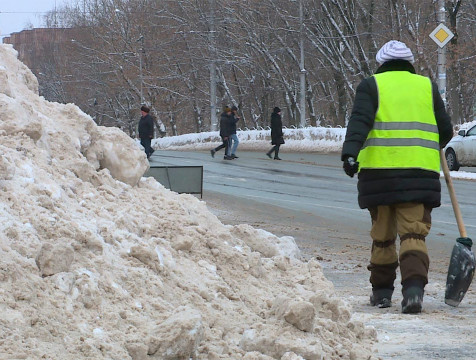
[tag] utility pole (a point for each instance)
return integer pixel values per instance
(213, 81)
(303, 70)
(141, 39)
(56, 20)
(442, 55)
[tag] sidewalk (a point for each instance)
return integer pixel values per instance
(439, 332)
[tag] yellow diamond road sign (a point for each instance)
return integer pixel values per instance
(441, 35)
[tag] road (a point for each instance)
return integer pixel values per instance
(309, 197)
(313, 184)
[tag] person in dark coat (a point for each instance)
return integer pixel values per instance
(277, 138)
(233, 141)
(226, 119)
(395, 132)
(146, 130)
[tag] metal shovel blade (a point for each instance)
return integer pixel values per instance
(460, 271)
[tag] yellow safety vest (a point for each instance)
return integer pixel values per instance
(405, 134)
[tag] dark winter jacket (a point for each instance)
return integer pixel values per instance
(392, 186)
(234, 120)
(225, 124)
(146, 127)
(276, 129)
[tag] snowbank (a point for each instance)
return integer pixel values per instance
(98, 263)
(316, 139)
(304, 139)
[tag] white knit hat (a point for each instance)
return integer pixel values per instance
(394, 50)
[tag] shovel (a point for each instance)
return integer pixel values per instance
(462, 262)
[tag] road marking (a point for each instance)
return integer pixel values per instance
(343, 208)
(306, 203)
(451, 223)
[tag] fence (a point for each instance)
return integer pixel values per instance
(181, 179)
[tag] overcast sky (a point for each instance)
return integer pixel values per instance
(16, 15)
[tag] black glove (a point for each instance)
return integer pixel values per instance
(350, 166)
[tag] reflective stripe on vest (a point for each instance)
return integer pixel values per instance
(403, 137)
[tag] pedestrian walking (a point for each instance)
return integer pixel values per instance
(225, 129)
(233, 141)
(277, 138)
(397, 127)
(146, 130)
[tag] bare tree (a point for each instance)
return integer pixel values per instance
(126, 52)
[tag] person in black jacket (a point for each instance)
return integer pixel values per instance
(233, 141)
(397, 126)
(225, 131)
(277, 138)
(146, 130)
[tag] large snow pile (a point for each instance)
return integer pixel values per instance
(99, 263)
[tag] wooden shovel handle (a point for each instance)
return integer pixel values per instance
(451, 191)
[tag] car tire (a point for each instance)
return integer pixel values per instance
(451, 160)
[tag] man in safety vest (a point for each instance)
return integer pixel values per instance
(397, 127)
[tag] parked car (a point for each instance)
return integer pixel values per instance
(461, 150)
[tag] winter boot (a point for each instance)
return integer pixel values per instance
(277, 158)
(412, 300)
(381, 298)
(268, 155)
(212, 152)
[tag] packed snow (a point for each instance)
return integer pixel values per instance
(98, 262)
(303, 139)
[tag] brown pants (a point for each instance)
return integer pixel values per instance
(412, 222)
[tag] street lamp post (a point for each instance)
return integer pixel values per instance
(213, 81)
(141, 39)
(303, 70)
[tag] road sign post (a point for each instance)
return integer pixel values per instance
(441, 36)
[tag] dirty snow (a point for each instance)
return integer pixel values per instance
(97, 262)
